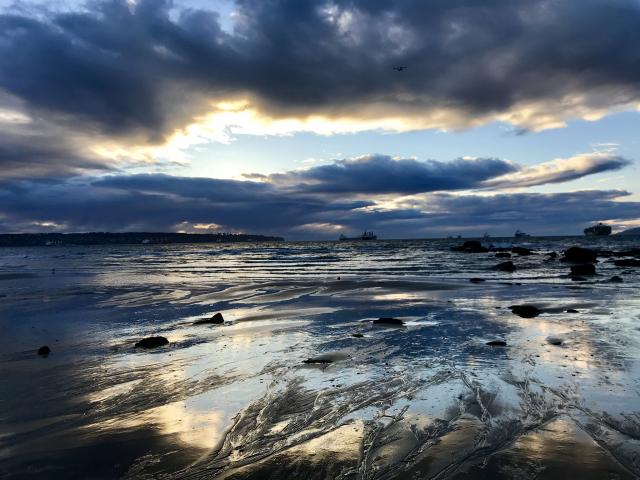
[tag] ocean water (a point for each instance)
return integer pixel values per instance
(429, 399)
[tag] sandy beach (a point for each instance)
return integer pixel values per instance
(298, 382)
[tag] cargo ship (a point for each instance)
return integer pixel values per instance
(599, 230)
(520, 234)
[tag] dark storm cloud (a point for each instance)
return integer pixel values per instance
(41, 156)
(161, 202)
(381, 174)
(147, 69)
(165, 203)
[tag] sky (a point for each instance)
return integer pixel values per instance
(290, 118)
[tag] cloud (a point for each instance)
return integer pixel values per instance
(561, 170)
(382, 174)
(150, 72)
(166, 203)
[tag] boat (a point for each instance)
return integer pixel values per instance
(364, 236)
(520, 234)
(486, 235)
(598, 230)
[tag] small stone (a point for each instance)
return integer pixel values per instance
(571, 310)
(525, 311)
(357, 335)
(477, 280)
(579, 255)
(217, 319)
(388, 321)
(616, 279)
(554, 340)
(497, 343)
(583, 269)
(152, 342)
(44, 351)
(506, 267)
(321, 361)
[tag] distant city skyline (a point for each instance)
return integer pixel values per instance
(287, 118)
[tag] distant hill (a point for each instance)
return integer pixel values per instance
(630, 231)
(127, 238)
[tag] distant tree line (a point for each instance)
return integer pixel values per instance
(128, 238)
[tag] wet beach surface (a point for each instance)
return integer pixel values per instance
(427, 399)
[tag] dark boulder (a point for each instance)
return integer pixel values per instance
(579, 255)
(152, 342)
(506, 267)
(578, 279)
(583, 269)
(470, 246)
(616, 279)
(552, 255)
(44, 351)
(388, 321)
(497, 343)
(503, 255)
(521, 251)
(627, 262)
(477, 280)
(525, 311)
(357, 335)
(217, 319)
(554, 340)
(571, 310)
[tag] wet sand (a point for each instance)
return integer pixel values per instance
(428, 399)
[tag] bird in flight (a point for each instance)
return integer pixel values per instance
(399, 69)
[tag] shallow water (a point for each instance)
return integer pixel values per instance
(426, 400)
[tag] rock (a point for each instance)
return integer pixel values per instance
(525, 311)
(217, 319)
(477, 280)
(616, 279)
(583, 269)
(578, 279)
(503, 255)
(554, 340)
(571, 310)
(388, 321)
(322, 361)
(497, 343)
(470, 246)
(152, 342)
(627, 262)
(44, 351)
(552, 254)
(521, 251)
(357, 335)
(579, 255)
(506, 267)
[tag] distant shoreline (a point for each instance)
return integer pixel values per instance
(127, 238)
(169, 238)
